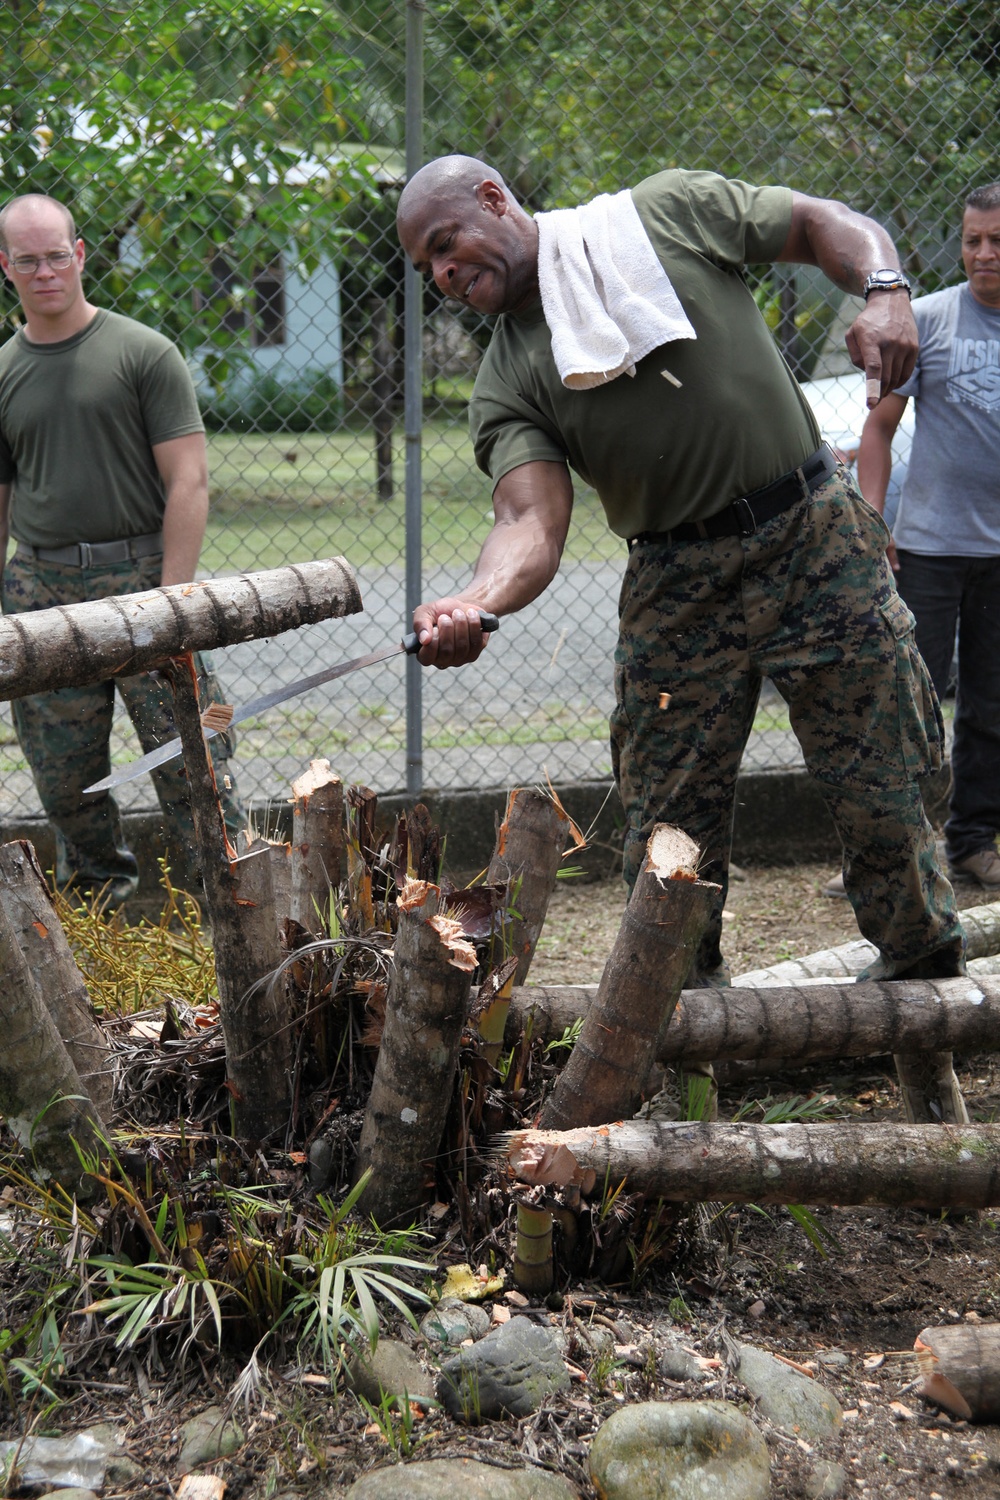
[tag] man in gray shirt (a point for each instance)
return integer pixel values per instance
(945, 545)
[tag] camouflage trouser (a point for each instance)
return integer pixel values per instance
(808, 601)
(64, 737)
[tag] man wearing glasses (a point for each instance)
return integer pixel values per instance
(104, 490)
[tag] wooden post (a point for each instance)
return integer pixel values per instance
(415, 1074)
(80, 643)
(39, 935)
(42, 1099)
(896, 1166)
(661, 928)
(317, 844)
(240, 903)
(382, 396)
(530, 843)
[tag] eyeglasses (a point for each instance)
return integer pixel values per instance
(27, 265)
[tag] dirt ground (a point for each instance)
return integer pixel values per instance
(847, 1309)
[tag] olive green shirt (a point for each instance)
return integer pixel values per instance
(78, 421)
(658, 453)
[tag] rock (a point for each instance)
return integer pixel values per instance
(797, 1405)
(508, 1373)
(827, 1481)
(680, 1450)
(208, 1436)
(833, 1359)
(452, 1321)
(459, 1479)
(392, 1370)
(674, 1363)
(72, 1494)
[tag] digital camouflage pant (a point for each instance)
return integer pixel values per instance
(808, 601)
(64, 736)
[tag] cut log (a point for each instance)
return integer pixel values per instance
(552, 1009)
(317, 844)
(42, 1100)
(661, 928)
(530, 844)
(896, 1166)
(426, 1009)
(39, 934)
(960, 1366)
(981, 925)
(81, 643)
(240, 903)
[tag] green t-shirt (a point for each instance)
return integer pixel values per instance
(658, 454)
(78, 420)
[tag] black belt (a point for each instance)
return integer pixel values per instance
(742, 517)
(96, 554)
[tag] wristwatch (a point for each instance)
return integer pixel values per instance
(886, 281)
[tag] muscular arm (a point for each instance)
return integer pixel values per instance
(5, 490)
(875, 456)
(183, 468)
(847, 247)
(532, 507)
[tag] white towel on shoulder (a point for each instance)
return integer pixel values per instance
(606, 297)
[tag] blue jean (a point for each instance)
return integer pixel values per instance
(945, 592)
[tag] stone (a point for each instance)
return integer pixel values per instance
(680, 1450)
(70, 1494)
(452, 1321)
(459, 1479)
(208, 1436)
(508, 1373)
(392, 1370)
(796, 1404)
(828, 1481)
(832, 1359)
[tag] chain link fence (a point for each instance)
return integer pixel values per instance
(234, 169)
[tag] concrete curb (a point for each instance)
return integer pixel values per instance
(780, 819)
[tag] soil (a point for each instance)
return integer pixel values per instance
(847, 1308)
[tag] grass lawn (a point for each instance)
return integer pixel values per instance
(279, 498)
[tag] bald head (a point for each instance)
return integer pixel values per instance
(458, 220)
(27, 206)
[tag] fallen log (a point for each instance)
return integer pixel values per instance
(39, 934)
(807, 1024)
(960, 1366)
(317, 844)
(530, 844)
(895, 1166)
(42, 1100)
(981, 925)
(661, 928)
(240, 903)
(426, 1009)
(81, 643)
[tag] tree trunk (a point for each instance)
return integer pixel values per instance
(414, 1079)
(981, 925)
(39, 934)
(661, 928)
(42, 1099)
(73, 644)
(382, 396)
(896, 1166)
(965, 1358)
(240, 902)
(317, 844)
(529, 846)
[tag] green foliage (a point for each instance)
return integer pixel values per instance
(262, 402)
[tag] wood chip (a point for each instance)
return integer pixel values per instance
(201, 1487)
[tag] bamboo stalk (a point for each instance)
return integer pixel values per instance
(533, 1250)
(426, 1009)
(529, 846)
(661, 927)
(39, 935)
(904, 1166)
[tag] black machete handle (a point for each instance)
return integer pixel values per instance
(487, 622)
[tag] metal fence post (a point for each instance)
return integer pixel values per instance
(413, 398)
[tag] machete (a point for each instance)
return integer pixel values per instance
(409, 645)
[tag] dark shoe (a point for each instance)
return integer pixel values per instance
(983, 867)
